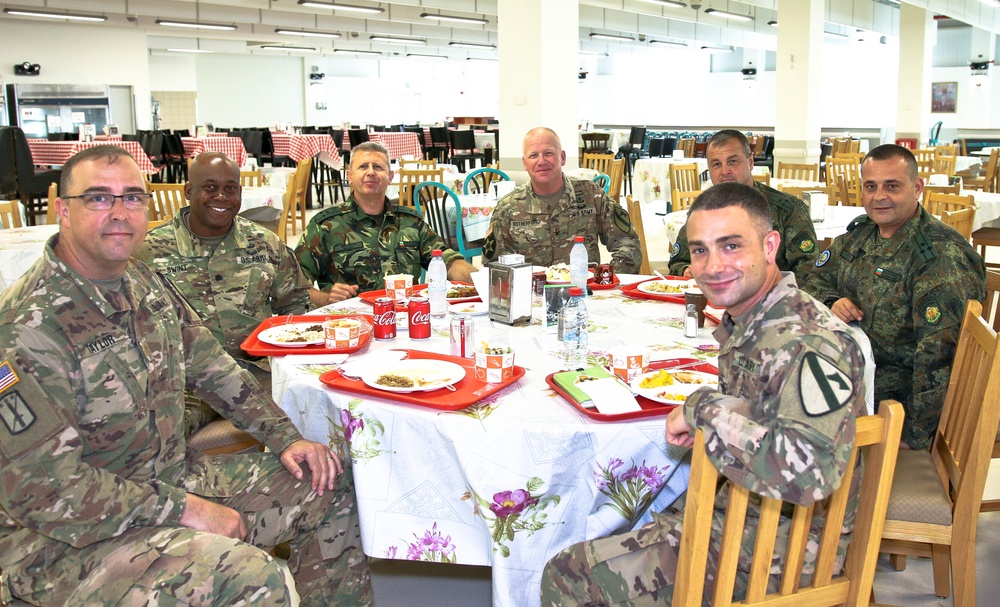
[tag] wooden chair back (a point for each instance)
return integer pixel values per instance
(846, 169)
(877, 440)
(599, 162)
(155, 223)
(682, 201)
(596, 143)
(617, 176)
(51, 218)
(10, 214)
(294, 205)
(830, 191)
(167, 200)
(947, 149)
(935, 498)
(925, 155)
(924, 169)
(845, 145)
(418, 164)
(684, 177)
(944, 165)
(805, 172)
(960, 219)
(635, 216)
(409, 178)
(942, 189)
(991, 178)
(991, 314)
(686, 144)
(764, 178)
(251, 179)
(936, 202)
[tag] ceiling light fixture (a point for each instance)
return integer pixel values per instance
(454, 19)
(194, 25)
(993, 3)
(834, 34)
(718, 49)
(612, 37)
(306, 33)
(397, 40)
(472, 45)
(349, 51)
(667, 43)
(480, 59)
(728, 15)
(53, 15)
(187, 50)
(278, 47)
(595, 53)
(667, 3)
(419, 56)
(374, 10)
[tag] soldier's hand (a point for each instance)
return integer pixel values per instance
(845, 310)
(687, 273)
(205, 515)
(678, 432)
(324, 463)
(341, 291)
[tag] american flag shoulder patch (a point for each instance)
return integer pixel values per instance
(7, 376)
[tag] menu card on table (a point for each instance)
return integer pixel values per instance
(596, 387)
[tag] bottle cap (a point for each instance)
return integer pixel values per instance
(574, 291)
(578, 239)
(436, 253)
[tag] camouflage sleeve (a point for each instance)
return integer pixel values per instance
(619, 236)
(824, 275)
(799, 448)
(798, 238)
(197, 414)
(314, 256)
(430, 240)
(498, 236)
(290, 288)
(45, 484)
(940, 294)
(680, 256)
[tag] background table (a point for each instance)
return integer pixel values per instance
(300, 147)
(651, 176)
(44, 152)
(21, 247)
(477, 210)
(399, 144)
(230, 146)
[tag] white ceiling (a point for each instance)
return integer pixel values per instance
(644, 20)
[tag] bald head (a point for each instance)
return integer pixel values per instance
(211, 161)
(542, 134)
(213, 187)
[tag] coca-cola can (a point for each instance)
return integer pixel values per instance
(384, 313)
(419, 310)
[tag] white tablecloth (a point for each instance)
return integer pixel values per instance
(263, 203)
(477, 210)
(651, 176)
(21, 247)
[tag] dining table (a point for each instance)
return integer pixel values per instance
(651, 176)
(56, 153)
(230, 146)
(399, 145)
(298, 147)
(20, 248)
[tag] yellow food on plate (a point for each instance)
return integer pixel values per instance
(461, 292)
(660, 286)
(672, 396)
(394, 381)
(658, 380)
(688, 377)
(557, 273)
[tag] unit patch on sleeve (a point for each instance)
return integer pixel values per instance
(823, 387)
(16, 415)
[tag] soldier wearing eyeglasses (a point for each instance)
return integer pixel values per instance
(100, 503)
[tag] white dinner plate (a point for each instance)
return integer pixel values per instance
(451, 285)
(282, 335)
(472, 308)
(664, 394)
(665, 287)
(429, 373)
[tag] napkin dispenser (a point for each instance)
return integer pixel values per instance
(510, 291)
(816, 200)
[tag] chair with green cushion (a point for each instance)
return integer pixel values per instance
(603, 180)
(479, 181)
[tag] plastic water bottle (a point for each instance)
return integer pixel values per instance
(578, 264)
(437, 288)
(575, 323)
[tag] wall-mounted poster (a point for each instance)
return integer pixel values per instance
(943, 97)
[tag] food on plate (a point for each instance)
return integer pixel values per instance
(662, 286)
(394, 381)
(557, 273)
(486, 349)
(461, 292)
(346, 323)
(585, 378)
(694, 377)
(657, 380)
(294, 335)
(672, 396)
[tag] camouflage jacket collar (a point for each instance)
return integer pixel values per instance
(88, 290)
(733, 331)
(355, 214)
(572, 197)
(188, 244)
(913, 226)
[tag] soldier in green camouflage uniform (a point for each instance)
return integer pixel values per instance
(781, 422)
(350, 248)
(234, 272)
(539, 219)
(730, 160)
(905, 277)
(99, 502)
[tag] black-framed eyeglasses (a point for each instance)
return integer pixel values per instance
(97, 201)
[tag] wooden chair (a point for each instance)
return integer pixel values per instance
(831, 192)
(617, 176)
(947, 149)
(877, 438)
(936, 493)
(848, 169)
(684, 177)
(429, 164)
(409, 178)
(167, 200)
(987, 182)
(805, 172)
(51, 218)
(251, 179)
(294, 207)
(961, 220)
(682, 201)
(936, 202)
(155, 223)
(10, 214)
(845, 145)
(925, 155)
(635, 216)
(686, 144)
(599, 162)
(764, 178)
(595, 143)
(954, 190)
(944, 165)
(991, 314)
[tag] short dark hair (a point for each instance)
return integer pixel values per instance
(110, 153)
(725, 135)
(371, 146)
(732, 194)
(888, 151)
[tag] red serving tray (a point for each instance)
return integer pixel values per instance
(254, 347)
(596, 287)
(650, 408)
(369, 297)
(632, 290)
(468, 391)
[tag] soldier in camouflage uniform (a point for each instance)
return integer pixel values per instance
(731, 161)
(232, 271)
(905, 278)
(781, 422)
(99, 502)
(350, 248)
(539, 219)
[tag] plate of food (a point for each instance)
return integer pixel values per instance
(666, 287)
(414, 375)
(295, 335)
(672, 387)
(458, 292)
(472, 308)
(559, 272)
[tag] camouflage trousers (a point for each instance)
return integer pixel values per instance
(198, 413)
(174, 566)
(636, 569)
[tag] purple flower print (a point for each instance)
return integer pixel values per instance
(351, 424)
(506, 503)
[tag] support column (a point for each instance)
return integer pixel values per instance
(798, 82)
(917, 34)
(539, 64)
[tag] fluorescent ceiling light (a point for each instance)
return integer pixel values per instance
(667, 3)
(194, 25)
(454, 19)
(306, 33)
(612, 37)
(718, 49)
(419, 56)
(187, 50)
(834, 34)
(993, 3)
(53, 15)
(480, 59)
(597, 53)
(773, 23)
(472, 45)
(397, 40)
(276, 47)
(349, 51)
(667, 43)
(342, 7)
(728, 15)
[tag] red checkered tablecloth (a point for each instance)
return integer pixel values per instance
(230, 146)
(300, 147)
(399, 144)
(44, 152)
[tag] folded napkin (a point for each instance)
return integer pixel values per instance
(610, 396)
(316, 359)
(360, 365)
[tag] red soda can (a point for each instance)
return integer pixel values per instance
(420, 317)
(384, 313)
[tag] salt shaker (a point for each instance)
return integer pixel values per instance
(691, 321)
